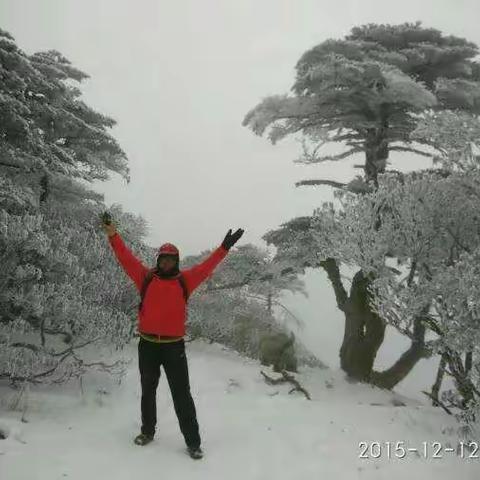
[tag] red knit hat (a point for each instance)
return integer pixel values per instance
(168, 249)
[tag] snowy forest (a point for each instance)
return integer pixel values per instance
(399, 250)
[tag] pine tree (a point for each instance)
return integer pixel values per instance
(59, 285)
(367, 90)
(382, 88)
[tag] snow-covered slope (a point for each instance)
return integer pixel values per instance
(250, 430)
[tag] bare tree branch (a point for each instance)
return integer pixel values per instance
(329, 158)
(276, 302)
(429, 395)
(331, 183)
(398, 148)
(286, 377)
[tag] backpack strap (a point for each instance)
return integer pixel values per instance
(149, 277)
(181, 280)
(146, 282)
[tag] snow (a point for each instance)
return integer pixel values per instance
(250, 430)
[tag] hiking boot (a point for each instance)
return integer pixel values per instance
(195, 452)
(143, 439)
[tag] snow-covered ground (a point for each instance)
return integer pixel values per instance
(250, 430)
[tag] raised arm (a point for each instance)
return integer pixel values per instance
(197, 274)
(132, 266)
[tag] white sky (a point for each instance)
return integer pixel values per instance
(180, 75)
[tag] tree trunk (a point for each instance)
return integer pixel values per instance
(461, 376)
(402, 367)
(365, 331)
(438, 381)
(44, 188)
(269, 304)
(468, 362)
(376, 151)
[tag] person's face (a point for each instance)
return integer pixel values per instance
(166, 263)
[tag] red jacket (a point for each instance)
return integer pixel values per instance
(164, 308)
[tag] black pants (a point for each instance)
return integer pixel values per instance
(174, 360)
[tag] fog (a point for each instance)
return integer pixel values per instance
(179, 76)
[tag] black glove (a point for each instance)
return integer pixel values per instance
(232, 238)
(106, 218)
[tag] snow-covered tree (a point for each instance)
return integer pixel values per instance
(241, 302)
(365, 92)
(45, 126)
(369, 93)
(60, 294)
(411, 230)
(58, 291)
(442, 288)
(416, 242)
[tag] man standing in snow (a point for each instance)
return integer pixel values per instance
(164, 292)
